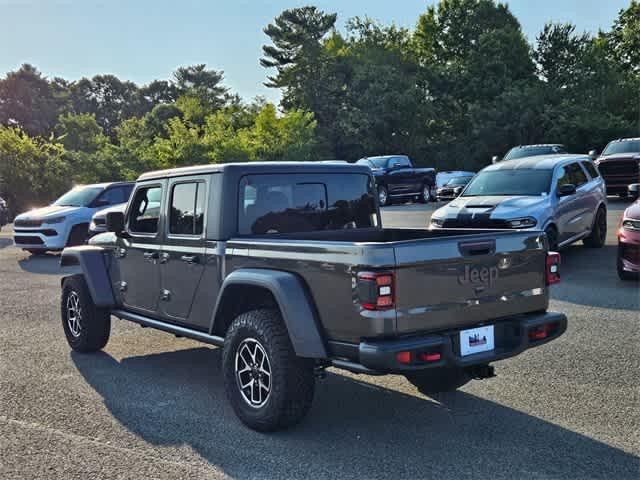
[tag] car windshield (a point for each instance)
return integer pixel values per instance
(78, 197)
(521, 152)
(509, 182)
(626, 146)
(458, 181)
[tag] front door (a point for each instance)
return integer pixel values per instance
(182, 260)
(138, 251)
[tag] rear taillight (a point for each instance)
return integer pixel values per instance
(553, 268)
(376, 290)
(542, 331)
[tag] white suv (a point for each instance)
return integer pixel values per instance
(66, 221)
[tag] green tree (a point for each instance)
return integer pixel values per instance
(28, 101)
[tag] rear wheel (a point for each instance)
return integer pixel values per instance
(598, 234)
(86, 326)
(438, 380)
(425, 194)
(269, 387)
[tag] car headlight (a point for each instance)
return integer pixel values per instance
(630, 224)
(526, 222)
(437, 222)
(51, 220)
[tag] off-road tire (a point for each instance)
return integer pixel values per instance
(439, 380)
(292, 381)
(95, 323)
(598, 235)
(77, 235)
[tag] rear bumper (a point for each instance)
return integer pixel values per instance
(511, 338)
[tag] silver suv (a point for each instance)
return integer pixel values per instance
(564, 195)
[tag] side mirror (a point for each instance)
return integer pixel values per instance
(634, 190)
(566, 190)
(495, 159)
(115, 222)
(593, 154)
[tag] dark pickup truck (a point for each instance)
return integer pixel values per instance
(287, 267)
(397, 179)
(619, 165)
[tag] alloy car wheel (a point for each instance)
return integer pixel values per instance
(382, 196)
(253, 372)
(74, 314)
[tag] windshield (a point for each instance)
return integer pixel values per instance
(622, 147)
(509, 182)
(78, 197)
(521, 152)
(458, 181)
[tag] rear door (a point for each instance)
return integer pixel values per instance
(137, 256)
(183, 258)
(452, 282)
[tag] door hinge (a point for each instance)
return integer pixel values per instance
(165, 295)
(123, 286)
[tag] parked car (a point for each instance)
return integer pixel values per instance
(66, 221)
(628, 262)
(619, 165)
(286, 267)
(397, 179)
(445, 176)
(522, 151)
(99, 220)
(4, 212)
(452, 188)
(563, 195)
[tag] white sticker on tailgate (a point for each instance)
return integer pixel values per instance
(476, 340)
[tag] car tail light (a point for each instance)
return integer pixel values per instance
(376, 290)
(553, 268)
(542, 331)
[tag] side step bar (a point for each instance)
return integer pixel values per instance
(170, 328)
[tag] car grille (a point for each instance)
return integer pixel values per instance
(28, 240)
(479, 221)
(27, 223)
(630, 252)
(618, 167)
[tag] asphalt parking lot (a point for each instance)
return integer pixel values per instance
(153, 406)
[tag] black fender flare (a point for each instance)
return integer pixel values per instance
(92, 261)
(297, 309)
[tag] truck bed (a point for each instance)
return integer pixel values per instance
(443, 278)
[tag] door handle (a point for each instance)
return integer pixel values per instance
(189, 258)
(150, 255)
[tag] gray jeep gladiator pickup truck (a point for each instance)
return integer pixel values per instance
(287, 267)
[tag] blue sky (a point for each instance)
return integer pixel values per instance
(145, 40)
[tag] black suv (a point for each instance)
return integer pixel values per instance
(287, 267)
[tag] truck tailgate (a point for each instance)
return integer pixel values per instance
(452, 282)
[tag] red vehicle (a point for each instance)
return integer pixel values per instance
(619, 165)
(629, 239)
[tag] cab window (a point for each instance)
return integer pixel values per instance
(144, 213)
(186, 216)
(578, 176)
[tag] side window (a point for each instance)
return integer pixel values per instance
(563, 177)
(403, 161)
(591, 168)
(577, 175)
(111, 196)
(186, 215)
(144, 213)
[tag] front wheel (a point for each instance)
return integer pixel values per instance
(383, 195)
(425, 194)
(598, 234)
(269, 387)
(86, 326)
(439, 380)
